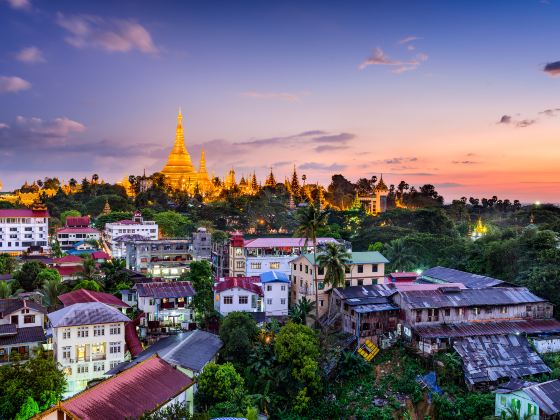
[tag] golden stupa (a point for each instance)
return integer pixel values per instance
(179, 170)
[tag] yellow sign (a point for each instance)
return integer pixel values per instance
(368, 350)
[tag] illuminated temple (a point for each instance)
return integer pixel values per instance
(179, 170)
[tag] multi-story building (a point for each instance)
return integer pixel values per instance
(21, 329)
(364, 269)
(76, 229)
(21, 229)
(220, 259)
(163, 258)
(252, 257)
(202, 244)
(137, 226)
(88, 340)
(165, 304)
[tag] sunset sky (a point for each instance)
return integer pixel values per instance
(459, 94)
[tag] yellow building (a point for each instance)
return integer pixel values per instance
(179, 170)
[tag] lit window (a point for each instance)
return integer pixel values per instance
(256, 265)
(274, 265)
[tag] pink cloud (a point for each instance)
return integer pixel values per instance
(10, 84)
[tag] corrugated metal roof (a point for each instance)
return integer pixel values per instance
(23, 336)
(450, 275)
(90, 313)
(492, 357)
(366, 299)
(467, 329)
(469, 297)
(159, 290)
(82, 296)
(274, 276)
(546, 395)
(283, 242)
(8, 306)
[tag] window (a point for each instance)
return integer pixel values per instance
(529, 308)
(113, 364)
(98, 330)
(460, 311)
(115, 329)
(282, 301)
(243, 300)
(360, 282)
(503, 309)
(433, 315)
(29, 319)
(531, 409)
(99, 366)
(283, 288)
(419, 315)
(66, 333)
(447, 312)
(295, 267)
(228, 300)
(83, 368)
(347, 269)
(300, 267)
(66, 352)
(274, 265)
(306, 269)
(269, 301)
(321, 302)
(360, 268)
(476, 311)
(268, 288)
(83, 332)
(255, 265)
(240, 264)
(374, 267)
(321, 271)
(114, 348)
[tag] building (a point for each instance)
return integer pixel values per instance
(179, 170)
(534, 401)
(165, 304)
(202, 244)
(136, 226)
(443, 275)
(88, 340)
(21, 229)
(162, 258)
(266, 294)
(189, 351)
(431, 313)
(86, 296)
(376, 203)
(252, 257)
(491, 358)
(365, 269)
(146, 387)
(402, 277)
(69, 267)
(220, 259)
(21, 329)
(366, 312)
(76, 229)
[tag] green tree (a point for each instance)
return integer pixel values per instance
(7, 264)
(335, 260)
(399, 255)
(27, 275)
(239, 333)
(68, 213)
(28, 409)
(377, 246)
(300, 312)
(173, 225)
(39, 378)
(89, 269)
(177, 411)
(114, 216)
(88, 285)
(46, 275)
(220, 384)
(200, 276)
(310, 219)
(115, 273)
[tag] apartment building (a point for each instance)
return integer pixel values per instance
(76, 229)
(163, 258)
(147, 230)
(21, 229)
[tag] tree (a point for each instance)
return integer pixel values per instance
(48, 274)
(7, 264)
(68, 213)
(173, 224)
(309, 220)
(88, 285)
(28, 409)
(301, 310)
(27, 275)
(220, 384)
(39, 378)
(5, 290)
(335, 260)
(399, 255)
(200, 276)
(177, 411)
(115, 273)
(89, 269)
(238, 332)
(114, 216)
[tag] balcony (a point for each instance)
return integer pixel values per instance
(98, 356)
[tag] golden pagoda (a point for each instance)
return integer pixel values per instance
(106, 208)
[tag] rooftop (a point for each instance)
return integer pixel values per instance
(191, 350)
(489, 358)
(8, 306)
(78, 229)
(21, 335)
(77, 221)
(67, 259)
(450, 275)
(246, 283)
(366, 299)
(23, 213)
(140, 389)
(365, 257)
(274, 276)
(90, 313)
(83, 295)
(546, 395)
(455, 297)
(282, 242)
(161, 290)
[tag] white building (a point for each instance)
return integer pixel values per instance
(76, 230)
(23, 228)
(137, 226)
(252, 257)
(267, 293)
(88, 340)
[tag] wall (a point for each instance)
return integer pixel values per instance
(276, 295)
(547, 345)
(39, 318)
(504, 401)
(235, 293)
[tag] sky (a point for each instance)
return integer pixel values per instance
(464, 95)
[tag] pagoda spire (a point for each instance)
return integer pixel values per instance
(179, 163)
(270, 181)
(202, 166)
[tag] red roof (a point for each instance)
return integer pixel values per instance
(160, 290)
(68, 270)
(140, 389)
(84, 296)
(246, 283)
(100, 255)
(77, 221)
(68, 259)
(131, 338)
(77, 230)
(23, 213)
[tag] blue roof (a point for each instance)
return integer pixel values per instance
(80, 251)
(274, 276)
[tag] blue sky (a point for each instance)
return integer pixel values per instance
(411, 89)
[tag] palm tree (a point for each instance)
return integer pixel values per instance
(400, 256)
(334, 259)
(310, 219)
(5, 290)
(301, 310)
(52, 289)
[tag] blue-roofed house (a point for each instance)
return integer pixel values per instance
(366, 268)
(276, 287)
